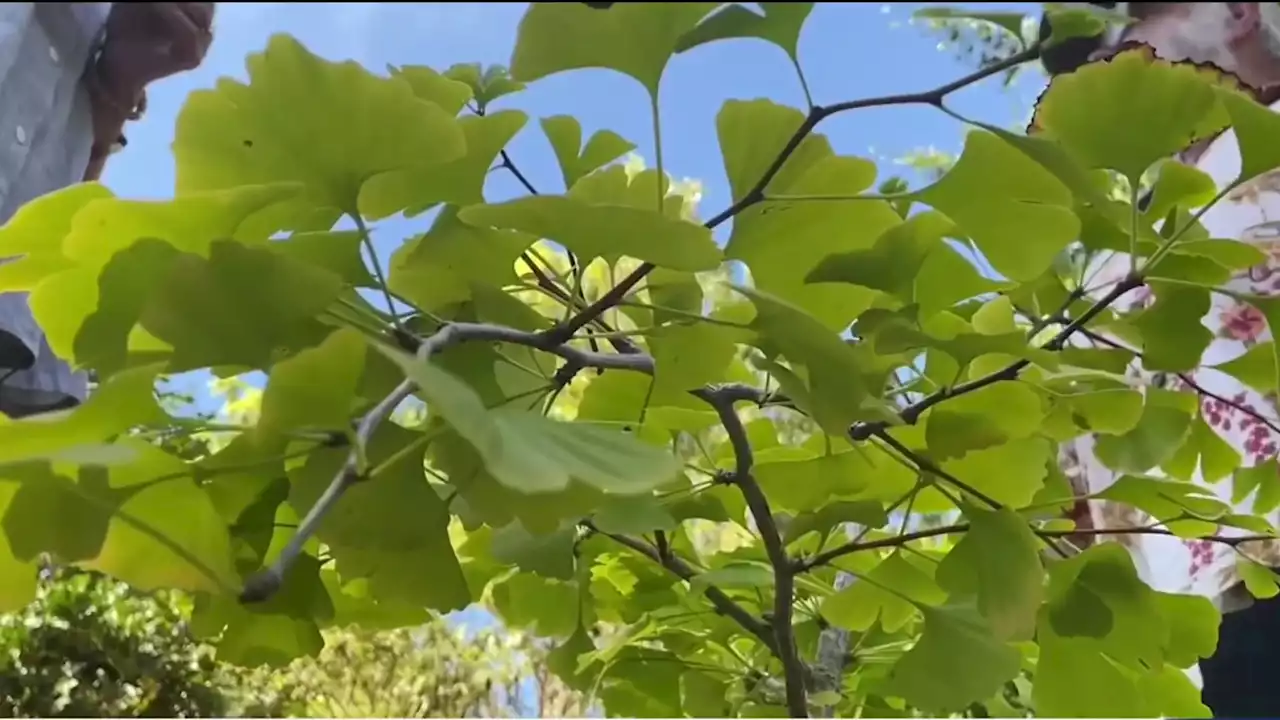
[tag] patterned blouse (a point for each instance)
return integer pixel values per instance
(1252, 215)
(46, 133)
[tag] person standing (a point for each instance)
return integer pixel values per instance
(1244, 39)
(71, 76)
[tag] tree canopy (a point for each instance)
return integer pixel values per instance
(598, 381)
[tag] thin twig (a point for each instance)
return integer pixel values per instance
(912, 413)
(483, 332)
(826, 557)
(817, 114)
(926, 465)
(683, 570)
(793, 669)
(1190, 382)
(265, 584)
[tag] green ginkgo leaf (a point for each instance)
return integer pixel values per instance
(597, 230)
(1131, 111)
(635, 39)
(328, 126)
(531, 453)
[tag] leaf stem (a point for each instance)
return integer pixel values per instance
(657, 151)
(678, 567)
(804, 83)
(825, 558)
(367, 240)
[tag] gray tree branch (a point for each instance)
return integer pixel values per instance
(794, 671)
(683, 570)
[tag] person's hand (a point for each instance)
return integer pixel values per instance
(150, 41)
(144, 42)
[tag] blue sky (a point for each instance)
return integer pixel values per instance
(848, 51)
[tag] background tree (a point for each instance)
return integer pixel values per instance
(91, 647)
(434, 670)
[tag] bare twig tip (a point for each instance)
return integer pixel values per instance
(260, 587)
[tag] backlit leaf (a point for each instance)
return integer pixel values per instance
(328, 126)
(633, 39)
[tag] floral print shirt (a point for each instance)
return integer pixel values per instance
(1250, 214)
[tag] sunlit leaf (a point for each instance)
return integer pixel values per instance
(780, 24)
(329, 126)
(634, 39)
(1131, 111)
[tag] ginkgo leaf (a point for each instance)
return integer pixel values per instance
(532, 453)
(894, 591)
(1018, 215)
(1173, 338)
(315, 388)
(594, 231)
(329, 126)
(837, 388)
(444, 265)
(449, 93)
(991, 416)
(412, 527)
(460, 181)
(565, 135)
(999, 561)
(487, 83)
(636, 40)
(780, 24)
(956, 644)
(1128, 91)
(1165, 421)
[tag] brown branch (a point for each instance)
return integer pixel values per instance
(817, 114)
(926, 465)
(1190, 382)
(683, 570)
(912, 413)
(826, 557)
(794, 672)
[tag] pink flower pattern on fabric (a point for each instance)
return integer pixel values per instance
(1240, 415)
(1243, 322)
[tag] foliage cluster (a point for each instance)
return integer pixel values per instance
(89, 646)
(589, 403)
(430, 671)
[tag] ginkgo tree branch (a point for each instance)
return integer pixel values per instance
(926, 465)
(794, 672)
(1191, 382)
(816, 115)
(828, 556)
(266, 583)
(683, 570)
(911, 413)
(485, 332)
(576, 268)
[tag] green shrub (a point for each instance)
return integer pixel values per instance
(89, 646)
